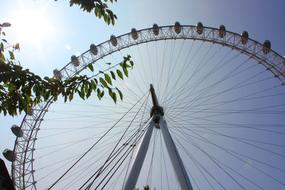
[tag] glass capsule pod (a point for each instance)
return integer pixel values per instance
(199, 28)
(113, 40)
(155, 29)
(75, 61)
(17, 131)
(134, 34)
(222, 31)
(57, 74)
(177, 27)
(244, 37)
(9, 155)
(93, 49)
(266, 47)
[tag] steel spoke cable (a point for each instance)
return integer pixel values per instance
(234, 171)
(198, 66)
(116, 153)
(215, 84)
(174, 62)
(211, 72)
(203, 64)
(103, 155)
(92, 146)
(189, 62)
(216, 163)
(198, 165)
(182, 70)
(226, 77)
(238, 157)
(236, 124)
(124, 156)
(170, 62)
(213, 132)
(109, 157)
(237, 86)
(225, 149)
(180, 89)
(114, 156)
(244, 98)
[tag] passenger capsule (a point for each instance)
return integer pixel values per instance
(113, 40)
(134, 34)
(93, 49)
(177, 27)
(244, 37)
(57, 74)
(17, 131)
(222, 31)
(75, 61)
(199, 28)
(9, 155)
(155, 29)
(266, 46)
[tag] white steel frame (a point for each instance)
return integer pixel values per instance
(23, 169)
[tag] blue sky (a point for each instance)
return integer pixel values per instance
(71, 31)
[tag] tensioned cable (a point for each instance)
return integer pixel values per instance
(200, 167)
(234, 154)
(218, 165)
(109, 157)
(92, 146)
(129, 152)
(240, 159)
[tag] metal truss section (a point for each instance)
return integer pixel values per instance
(271, 60)
(22, 167)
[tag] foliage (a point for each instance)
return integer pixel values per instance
(146, 187)
(99, 7)
(21, 89)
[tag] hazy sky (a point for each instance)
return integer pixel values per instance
(69, 31)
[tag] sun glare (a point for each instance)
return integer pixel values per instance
(32, 26)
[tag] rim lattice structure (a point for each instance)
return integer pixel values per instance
(24, 148)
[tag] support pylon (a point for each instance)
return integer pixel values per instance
(158, 121)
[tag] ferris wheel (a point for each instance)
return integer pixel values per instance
(203, 108)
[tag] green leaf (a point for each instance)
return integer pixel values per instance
(90, 66)
(12, 57)
(102, 94)
(99, 94)
(88, 93)
(70, 97)
(113, 95)
(113, 75)
(103, 82)
(132, 63)
(11, 87)
(126, 71)
(120, 93)
(120, 74)
(93, 85)
(86, 86)
(108, 79)
(81, 93)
